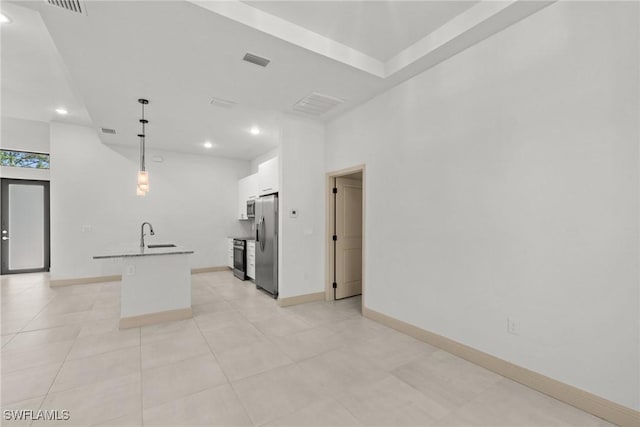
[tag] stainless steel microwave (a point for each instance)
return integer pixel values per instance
(251, 208)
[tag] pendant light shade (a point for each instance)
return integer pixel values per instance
(143, 176)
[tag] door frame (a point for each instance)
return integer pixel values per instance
(4, 183)
(329, 266)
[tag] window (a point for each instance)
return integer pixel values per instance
(24, 159)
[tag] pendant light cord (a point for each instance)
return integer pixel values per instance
(144, 149)
(142, 136)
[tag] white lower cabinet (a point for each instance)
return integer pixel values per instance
(230, 252)
(251, 259)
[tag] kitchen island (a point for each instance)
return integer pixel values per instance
(156, 284)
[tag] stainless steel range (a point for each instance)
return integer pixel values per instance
(240, 258)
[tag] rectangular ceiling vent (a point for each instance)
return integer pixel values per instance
(75, 6)
(316, 104)
(255, 59)
(224, 103)
(108, 131)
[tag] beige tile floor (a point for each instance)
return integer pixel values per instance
(242, 360)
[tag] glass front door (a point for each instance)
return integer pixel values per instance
(25, 226)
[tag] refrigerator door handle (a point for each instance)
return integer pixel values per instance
(263, 231)
(258, 232)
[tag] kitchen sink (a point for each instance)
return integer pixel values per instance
(163, 245)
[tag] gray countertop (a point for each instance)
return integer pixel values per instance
(135, 251)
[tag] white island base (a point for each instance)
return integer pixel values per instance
(158, 291)
(156, 286)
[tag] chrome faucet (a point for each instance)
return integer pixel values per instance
(142, 233)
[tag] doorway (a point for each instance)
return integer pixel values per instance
(345, 233)
(24, 218)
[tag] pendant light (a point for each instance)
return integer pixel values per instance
(143, 175)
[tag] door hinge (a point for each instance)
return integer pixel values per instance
(335, 190)
(335, 237)
(335, 285)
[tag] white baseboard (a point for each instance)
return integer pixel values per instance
(588, 402)
(301, 299)
(117, 278)
(208, 269)
(153, 318)
(84, 281)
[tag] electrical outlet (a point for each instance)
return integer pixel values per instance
(512, 326)
(131, 270)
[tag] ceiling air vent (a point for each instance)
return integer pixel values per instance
(70, 5)
(108, 131)
(316, 104)
(255, 59)
(224, 103)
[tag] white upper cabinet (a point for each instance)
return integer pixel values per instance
(259, 184)
(242, 199)
(252, 187)
(247, 190)
(268, 177)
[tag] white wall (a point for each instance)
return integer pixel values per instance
(24, 135)
(504, 183)
(192, 202)
(263, 158)
(301, 161)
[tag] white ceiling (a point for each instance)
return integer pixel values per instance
(179, 54)
(380, 29)
(34, 79)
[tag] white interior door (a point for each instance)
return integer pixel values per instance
(25, 226)
(349, 237)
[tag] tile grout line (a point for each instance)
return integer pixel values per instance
(270, 339)
(56, 295)
(63, 361)
(34, 317)
(100, 353)
(140, 343)
(56, 376)
(141, 379)
(10, 339)
(246, 411)
(112, 351)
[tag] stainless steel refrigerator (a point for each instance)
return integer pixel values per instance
(267, 243)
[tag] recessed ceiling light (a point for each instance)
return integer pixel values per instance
(255, 130)
(61, 111)
(208, 145)
(4, 19)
